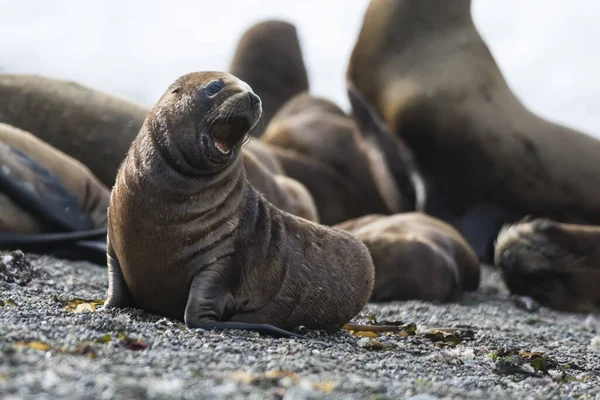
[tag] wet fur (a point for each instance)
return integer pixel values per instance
(416, 257)
(244, 260)
(434, 82)
(557, 264)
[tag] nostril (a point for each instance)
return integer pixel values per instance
(254, 99)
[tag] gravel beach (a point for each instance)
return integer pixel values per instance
(53, 346)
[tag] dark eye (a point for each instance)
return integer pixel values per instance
(214, 88)
(176, 90)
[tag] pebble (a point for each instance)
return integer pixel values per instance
(194, 363)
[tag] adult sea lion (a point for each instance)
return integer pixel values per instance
(483, 155)
(269, 57)
(92, 127)
(557, 264)
(189, 238)
(416, 257)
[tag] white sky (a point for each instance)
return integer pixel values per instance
(547, 49)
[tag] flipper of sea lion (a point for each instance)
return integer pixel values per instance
(263, 329)
(39, 192)
(85, 250)
(398, 157)
(82, 245)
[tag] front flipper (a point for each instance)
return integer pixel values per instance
(39, 192)
(206, 304)
(118, 292)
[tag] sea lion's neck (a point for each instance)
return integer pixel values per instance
(411, 18)
(153, 164)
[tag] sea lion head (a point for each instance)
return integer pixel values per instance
(201, 121)
(545, 260)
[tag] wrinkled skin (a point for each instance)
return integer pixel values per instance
(189, 238)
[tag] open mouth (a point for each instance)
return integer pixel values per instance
(227, 133)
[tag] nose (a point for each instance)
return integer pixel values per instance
(254, 99)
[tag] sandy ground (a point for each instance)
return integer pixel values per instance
(50, 348)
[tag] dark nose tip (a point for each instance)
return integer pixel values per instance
(254, 99)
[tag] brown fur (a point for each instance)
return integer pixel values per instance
(416, 257)
(189, 238)
(93, 127)
(319, 130)
(269, 57)
(433, 80)
(92, 196)
(335, 199)
(284, 193)
(555, 263)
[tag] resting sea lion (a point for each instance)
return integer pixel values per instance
(318, 129)
(416, 257)
(189, 238)
(92, 127)
(283, 192)
(92, 196)
(555, 263)
(49, 202)
(482, 154)
(264, 154)
(269, 57)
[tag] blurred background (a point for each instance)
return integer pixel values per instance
(547, 49)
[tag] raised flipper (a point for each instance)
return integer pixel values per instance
(37, 191)
(118, 292)
(398, 158)
(206, 304)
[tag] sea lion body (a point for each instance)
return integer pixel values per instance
(269, 58)
(213, 250)
(416, 257)
(283, 192)
(92, 127)
(316, 128)
(334, 198)
(91, 195)
(435, 83)
(555, 263)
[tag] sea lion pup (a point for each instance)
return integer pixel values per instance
(435, 83)
(416, 257)
(269, 58)
(333, 139)
(283, 192)
(92, 127)
(189, 238)
(557, 264)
